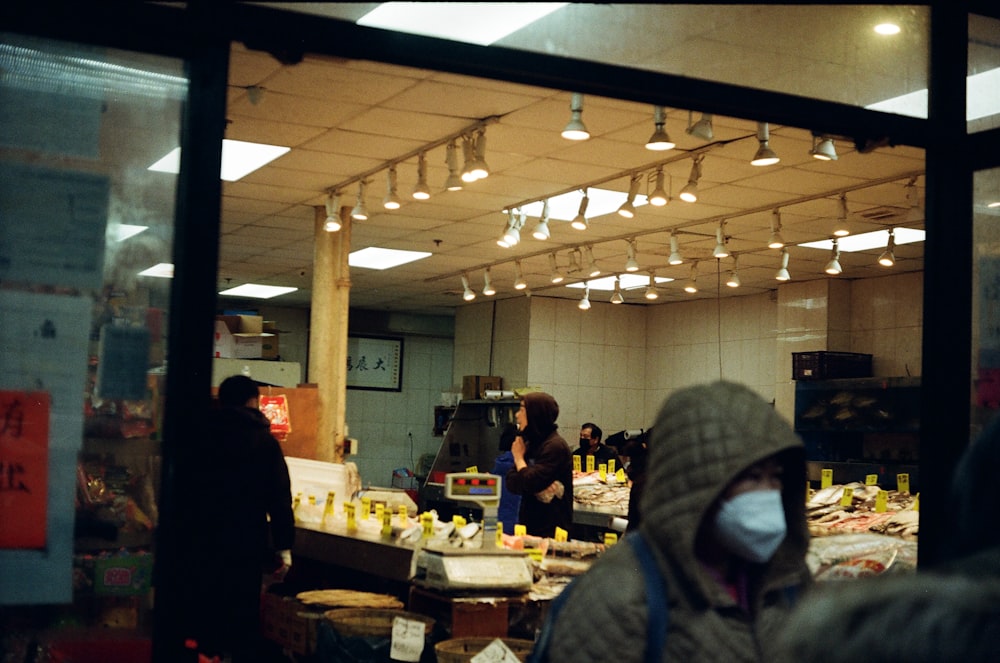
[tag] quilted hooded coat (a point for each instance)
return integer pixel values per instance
(703, 438)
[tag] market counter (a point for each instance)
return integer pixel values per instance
(358, 551)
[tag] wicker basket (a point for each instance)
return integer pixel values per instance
(462, 650)
(352, 622)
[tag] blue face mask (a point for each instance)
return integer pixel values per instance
(752, 525)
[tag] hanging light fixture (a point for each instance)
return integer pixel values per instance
(592, 268)
(776, 241)
(833, 267)
(691, 286)
(782, 273)
(765, 156)
(888, 257)
(617, 297)
(720, 250)
(734, 275)
(627, 208)
(575, 261)
(488, 288)
(840, 228)
(360, 211)
(541, 231)
(332, 223)
(479, 169)
(659, 141)
(689, 193)
(511, 235)
(659, 197)
(580, 221)
(675, 253)
(468, 159)
(468, 295)
(823, 148)
(454, 181)
(915, 213)
(391, 200)
(421, 191)
(575, 129)
(584, 304)
(556, 275)
(702, 128)
(519, 282)
(631, 264)
(651, 291)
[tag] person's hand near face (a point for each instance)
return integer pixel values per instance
(518, 448)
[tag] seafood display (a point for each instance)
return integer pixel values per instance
(827, 515)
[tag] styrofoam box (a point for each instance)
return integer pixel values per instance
(315, 477)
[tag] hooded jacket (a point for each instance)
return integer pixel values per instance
(973, 545)
(703, 438)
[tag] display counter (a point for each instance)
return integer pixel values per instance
(358, 551)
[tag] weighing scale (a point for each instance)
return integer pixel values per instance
(450, 569)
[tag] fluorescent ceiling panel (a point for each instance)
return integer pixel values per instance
(163, 270)
(125, 230)
(376, 258)
(239, 159)
(479, 23)
(257, 291)
(867, 241)
(565, 206)
(982, 93)
(626, 282)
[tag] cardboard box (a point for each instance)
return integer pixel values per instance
(473, 386)
(289, 623)
(240, 337)
(269, 347)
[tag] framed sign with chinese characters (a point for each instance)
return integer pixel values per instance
(375, 362)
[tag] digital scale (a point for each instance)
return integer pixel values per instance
(490, 567)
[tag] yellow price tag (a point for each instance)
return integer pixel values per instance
(610, 538)
(366, 507)
(825, 478)
(561, 534)
(380, 512)
(576, 464)
(590, 463)
(602, 471)
(403, 517)
(620, 475)
(352, 524)
(472, 469)
(312, 500)
(916, 502)
(535, 554)
(499, 535)
(847, 498)
(427, 524)
(871, 479)
(611, 466)
(458, 520)
(520, 530)
(903, 482)
(386, 520)
(881, 499)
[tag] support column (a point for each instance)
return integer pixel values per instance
(331, 290)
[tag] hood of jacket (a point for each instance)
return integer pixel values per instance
(703, 437)
(542, 411)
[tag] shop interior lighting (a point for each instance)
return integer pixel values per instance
(887, 29)
(592, 268)
(691, 286)
(782, 273)
(765, 156)
(488, 288)
(626, 282)
(823, 148)
(332, 223)
(627, 208)
(584, 304)
(631, 264)
(519, 282)
(617, 297)
(566, 206)
(541, 231)
(840, 226)
(239, 159)
(575, 128)
(391, 200)
(555, 275)
(888, 257)
(689, 193)
(659, 197)
(454, 181)
(374, 257)
(257, 291)
(421, 191)
(512, 233)
(702, 128)
(833, 267)
(915, 211)
(776, 241)
(660, 140)
(651, 291)
(467, 294)
(360, 211)
(675, 252)
(869, 241)
(720, 250)
(580, 220)
(733, 280)
(469, 174)
(162, 270)
(480, 170)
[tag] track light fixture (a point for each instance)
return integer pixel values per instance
(823, 148)
(840, 228)
(488, 288)
(617, 297)
(733, 281)
(556, 275)
(421, 191)
(659, 141)
(332, 223)
(888, 257)
(541, 231)
(479, 169)
(360, 211)
(782, 273)
(720, 250)
(627, 208)
(454, 181)
(512, 232)
(631, 264)
(765, 156)
(689, 193)
(469, 174)
(468, 295)
(391, 200)
(575, 129)
(659, 197)
(580, 222)
(702, 128)
(675, 253)
(519, 282)
(651, 291)
(915, 213)
(691, 286)
(833, 267)
(584, 304)
(776, 241)
(592, 268)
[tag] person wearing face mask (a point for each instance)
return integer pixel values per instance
(723, 514)
(591, 445)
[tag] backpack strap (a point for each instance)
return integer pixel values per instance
(658, 620)
(540, 650)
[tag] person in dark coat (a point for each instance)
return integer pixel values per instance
(543, 468)
(237, 513)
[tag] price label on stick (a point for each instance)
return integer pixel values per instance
(590, 463)
(576, 464)
(881, 500)
(561, 534)
(610, 538)
(825, 478)
(611, 466)
(916, 502)
(520, 530)
(602, 471)
(903, 482)
(472, 469)
(352, 523)
(379, 512)
(366, 507)
(871, 479)
(620, 475)
(386, 521)
(402, 515)
(848, 497)
(427, 524)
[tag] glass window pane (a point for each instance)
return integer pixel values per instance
(986, 299)
(984, 74)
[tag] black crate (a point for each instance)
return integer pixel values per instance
(825, 365)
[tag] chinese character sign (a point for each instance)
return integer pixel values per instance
(374, 363)
(24, 470)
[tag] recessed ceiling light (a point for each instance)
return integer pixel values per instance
(887, 29)
(163, 270)
(479, 23)
(239, 159)
(627, 282)
(125, 230)
(566, 206)
(867, 241)
(376, 258)
(257, 291)
(995, 203)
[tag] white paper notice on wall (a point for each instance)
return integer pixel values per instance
(496, 652)
(407, 640)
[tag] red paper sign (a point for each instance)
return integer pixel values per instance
(275, 408)
(24, 468)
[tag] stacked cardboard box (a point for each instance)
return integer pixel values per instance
(240, 337)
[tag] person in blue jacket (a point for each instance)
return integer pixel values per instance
(510, 503)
